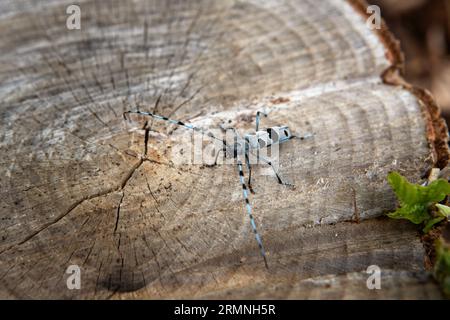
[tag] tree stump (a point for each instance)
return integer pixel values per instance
(82, 186)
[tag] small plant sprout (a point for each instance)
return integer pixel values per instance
(419, 204)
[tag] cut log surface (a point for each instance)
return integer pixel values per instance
(82, 186)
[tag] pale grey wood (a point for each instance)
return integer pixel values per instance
(80, 186)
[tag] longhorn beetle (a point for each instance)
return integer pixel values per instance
(242, 147)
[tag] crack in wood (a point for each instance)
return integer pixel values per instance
(75, 205)
(118, 213)
(237, 72)
(355, 208)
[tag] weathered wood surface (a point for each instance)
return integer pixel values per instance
(79, 185)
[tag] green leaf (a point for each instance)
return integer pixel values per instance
(416, 214)
(431, 223)
(443, 210)
(415, 200)
(410, 194)
(437, 190)
(405, 192)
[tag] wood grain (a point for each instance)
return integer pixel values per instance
(81, 186)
